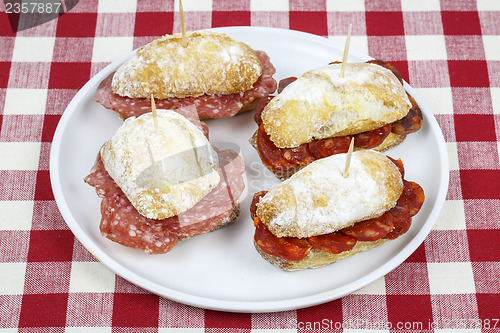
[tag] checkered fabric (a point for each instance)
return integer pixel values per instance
(448, 50)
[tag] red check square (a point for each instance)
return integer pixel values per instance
(5, 24)
(414, 320)
(65, 75)
(312, 22)
(76, 25)
(231, 320)
(475, 127)
(43, 310)
(481, 184)
(468, 73)
(50, 245)
(461, 23)
(384, 24)
(331, 311)
(43, 190)
(125, 312)
(153, 24)
(236, 18)
(49, 127)
(487, 307)
(4, 74)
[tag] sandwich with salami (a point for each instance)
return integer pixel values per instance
(317, 114)
(161, 182)
(319, 216)
(220, 76)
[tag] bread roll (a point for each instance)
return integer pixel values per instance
(319, 200)
(320, 104)
(163, 170)
(211, 63)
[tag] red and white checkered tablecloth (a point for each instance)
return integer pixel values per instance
(449, 52)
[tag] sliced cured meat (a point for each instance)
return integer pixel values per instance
(207, 106)
(216, 206)
(122, 223)
(413, 197)
(100, 179)
(334, 242)
(372, 139)
(372, 229)
(289, 248)
(327, 147)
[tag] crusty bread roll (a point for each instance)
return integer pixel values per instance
(163, 169)
(317, 258)
(166, 69)
(321, 104)
(318, 199)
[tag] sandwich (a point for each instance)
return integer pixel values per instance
(220, 76)
(161, 181)
(319, 216)
(317, 114)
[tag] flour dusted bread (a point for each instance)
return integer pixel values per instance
(318, 199)
(321, 104)
(211, 63)
(163, 170)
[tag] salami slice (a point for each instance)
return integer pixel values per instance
(216, 206)
(207, 106)
(122, 223)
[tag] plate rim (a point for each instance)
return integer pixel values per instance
(244, 306)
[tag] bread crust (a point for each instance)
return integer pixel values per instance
(318, 199)
(211, 63)
(368, 97)
(317, 258)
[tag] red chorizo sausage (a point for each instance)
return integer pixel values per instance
(413, 197)
(285, 82)
(255, 200)
(401, 218)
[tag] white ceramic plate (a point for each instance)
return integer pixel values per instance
(222, 270)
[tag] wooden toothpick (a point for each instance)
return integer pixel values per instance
(155, 114)
(183, 25)
(348, 159)
(346, 51)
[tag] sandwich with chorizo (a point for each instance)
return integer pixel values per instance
(316, 115)
(218, 75)
(319, 216)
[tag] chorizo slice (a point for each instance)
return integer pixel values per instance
(285, 82)
(255, 200)
(372, 139)
(372, 229)
(257, 117)
(401, 219)
(335, 242)
(289, 248)
(327, 147)
(409, 123)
